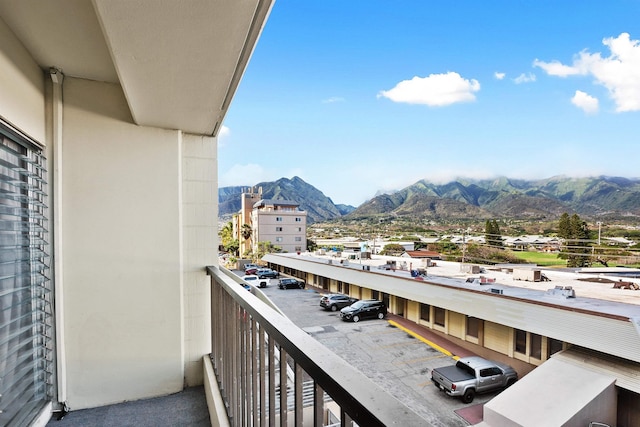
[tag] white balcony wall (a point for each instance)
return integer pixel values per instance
(132, 208)
(21, 87)
(200, 247)
(138, 227)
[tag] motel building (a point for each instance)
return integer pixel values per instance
(575, 337)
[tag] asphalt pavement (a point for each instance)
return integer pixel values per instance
(393, 357)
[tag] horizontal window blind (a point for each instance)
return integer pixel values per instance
(26, 300)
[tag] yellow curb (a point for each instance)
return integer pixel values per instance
(424, 340)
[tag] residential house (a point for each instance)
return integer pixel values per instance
(422, 254)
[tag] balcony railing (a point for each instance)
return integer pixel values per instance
(270, 372)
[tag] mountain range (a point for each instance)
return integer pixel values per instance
(594, 197)
(318, 206)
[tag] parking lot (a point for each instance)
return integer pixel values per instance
(393, 359)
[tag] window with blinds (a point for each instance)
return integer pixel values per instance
(26, 299)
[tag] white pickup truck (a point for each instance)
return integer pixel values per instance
(254, 280)
(471, 375)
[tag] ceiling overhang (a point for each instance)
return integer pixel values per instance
(179, 62)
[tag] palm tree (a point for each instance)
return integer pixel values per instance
(246, 232)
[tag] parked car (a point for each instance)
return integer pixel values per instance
(254, 280)
(251, 268)
(471, 375)
(267, 273)
(335, 302)
(364, 309)
(290, 283)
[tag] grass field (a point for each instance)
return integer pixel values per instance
(541, 258)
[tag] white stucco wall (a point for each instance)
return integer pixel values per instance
(122, 250)
(136, 223)
(200, 247)
(21, 87)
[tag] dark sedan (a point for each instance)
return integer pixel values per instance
(365, 309)
(290, 283)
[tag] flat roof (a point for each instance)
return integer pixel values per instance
(551, 394)
(593, 288)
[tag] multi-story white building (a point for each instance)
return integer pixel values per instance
(280, 222)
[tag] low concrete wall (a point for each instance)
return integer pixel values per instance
(217, 412)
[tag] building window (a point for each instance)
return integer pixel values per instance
(473, 326)
(439, 315)
(298, 239)
(298, 248)
(521, 341)
(374, 294)
(26, 302)
(298, 219)
(278, 228)
(554, 346)
(425, 312)
(279, 219)
(299, 229)
(536, 346)
(339, 286)
(278, 239)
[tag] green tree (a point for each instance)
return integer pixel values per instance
(392, 249)
(264, 248)
(246, 231)
(419, 245)
(232, 247)
(492, 234)
(564, 226)
(227, 241)
(575, 233)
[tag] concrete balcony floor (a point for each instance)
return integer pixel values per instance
(187, 408)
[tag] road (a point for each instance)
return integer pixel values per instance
(393, 359)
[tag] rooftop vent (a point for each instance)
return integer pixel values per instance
(562, 291)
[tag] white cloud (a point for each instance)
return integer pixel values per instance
(555, 68)
(499, 76)
(249, 174)
(436, 90)
(619, 72)
(223, 135)
(252, 174)
(586, 102)
(333, 99)
(525, 78)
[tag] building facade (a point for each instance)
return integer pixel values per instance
(242, 219)
(595, 333)
(281, 223)
(109, 115)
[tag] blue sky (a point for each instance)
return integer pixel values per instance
(357, 97)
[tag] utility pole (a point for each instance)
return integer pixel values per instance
(599, 224)
(464, 248)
